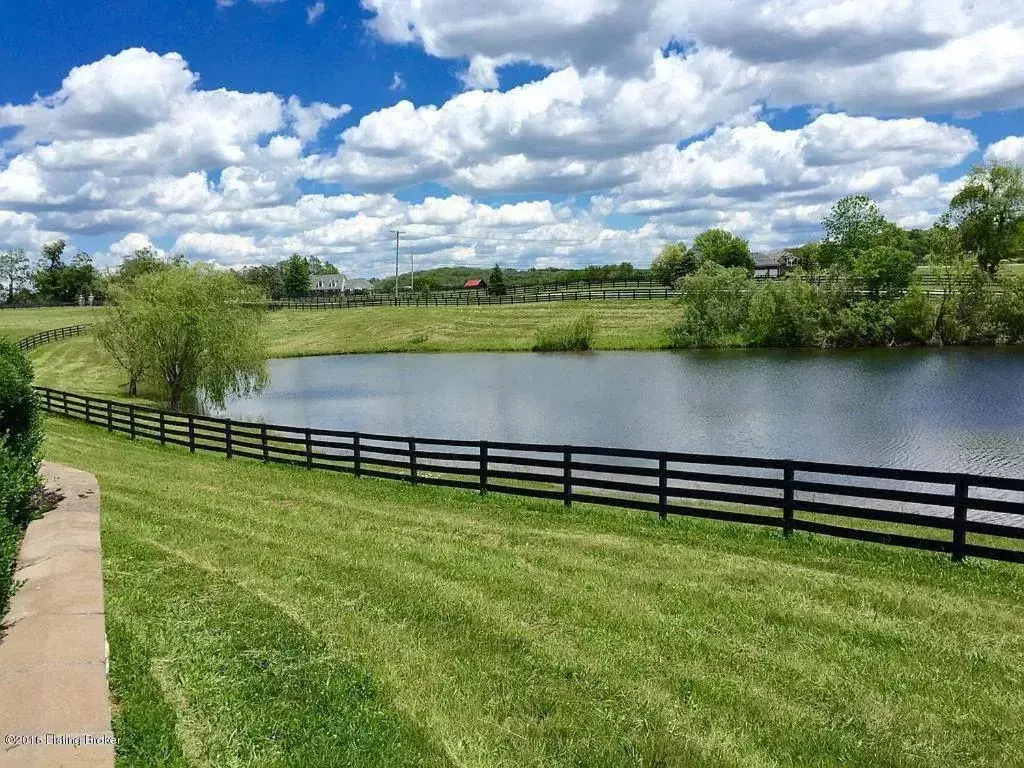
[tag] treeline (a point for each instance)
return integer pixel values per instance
(55, 279)
(861, 285)
(454, 278)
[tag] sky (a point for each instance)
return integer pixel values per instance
(523, 132)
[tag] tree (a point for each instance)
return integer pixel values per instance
(119, 332)
(267, 278)
(715, 305)
(196, 330)
(78, 278)
(806, 256)
(50, 270)
(989, 213)
(674, 262)
(854, 224)
(496, 282)
(295, 276)
(884, 270)
(723, 248)
(139, 263)
(13, 271)
(317, 267)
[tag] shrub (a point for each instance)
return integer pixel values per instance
(715, 301)
(783, 313)
(1009, 310)
(10, 536)
(862, 324)
(573, 335)
(914, 318)
(19, 412)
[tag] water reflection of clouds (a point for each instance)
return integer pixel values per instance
(935, 409)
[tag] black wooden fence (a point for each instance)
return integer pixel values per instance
(852, 502)
(470, 298)
(57, 334)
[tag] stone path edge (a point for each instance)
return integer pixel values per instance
(55, 707)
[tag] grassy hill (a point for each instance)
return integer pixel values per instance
(266, 615)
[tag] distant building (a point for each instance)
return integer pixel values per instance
(358, 285)
(770, 263)
(477, 283)
(328, 283)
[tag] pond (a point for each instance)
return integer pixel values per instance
(955, 409)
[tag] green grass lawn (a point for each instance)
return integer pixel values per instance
(81, 365)
(265, 615)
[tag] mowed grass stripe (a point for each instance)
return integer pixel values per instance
(504, 631)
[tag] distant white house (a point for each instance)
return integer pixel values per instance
(358, 285)
(334, 283)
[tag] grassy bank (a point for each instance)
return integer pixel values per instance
(268, 615)
(80, 365)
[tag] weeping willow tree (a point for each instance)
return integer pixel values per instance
(189, 330)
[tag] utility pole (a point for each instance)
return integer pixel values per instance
(397, 234)
(412, 271)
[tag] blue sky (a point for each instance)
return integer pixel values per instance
(541, 132)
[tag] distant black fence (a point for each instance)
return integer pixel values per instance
(789, 495)
(57, 334)
(470, 298)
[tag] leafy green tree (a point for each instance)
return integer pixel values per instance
(120, 330)
(197, 330)
(141, 262)
(715, 305)
(496, 282)
(78, 278)
(989, 213)
(914, 317)
(49, 272)
(1009, 310)
(318, 267)
(783, 313)
(13, 271)
(295, 276)
(854, 225)
(806, 257)
(267, 278)
(674, 262)
(884, 270)
(723, 248)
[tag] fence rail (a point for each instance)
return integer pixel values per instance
(946, 509)
(56, 334)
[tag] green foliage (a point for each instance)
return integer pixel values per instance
(674, 262)
(295, 276)
(783, 313)
(884, 270)
(862, 324)
(120, 329)
(20, 440)
(855, 224)
(197, 331)
(10, 538)
(13, 272)
(266, 278)
(913, 318)
(723, 248)
(806, 257)
(573, 335)
(1009, 310)
(715, 301)
(989, 213)
(318, 267)
(59, 282)
(141, 262)
(496, 282)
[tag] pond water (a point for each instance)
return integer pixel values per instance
(956, 410)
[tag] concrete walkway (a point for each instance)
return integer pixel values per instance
(54, 706)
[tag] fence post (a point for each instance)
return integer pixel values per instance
(131, 420)
(960, 493)
(87, 400)
(48, 406)
(412, 460)
(263, 442)
(483, 467)
(227, 438)
(355, 454)
(163, 437)
(110, 416)
(65, 396)
(787, 499)
(567, 477)
(309, 448)
(191, 433)
(662, 488)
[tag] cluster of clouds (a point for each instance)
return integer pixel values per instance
(655, 115)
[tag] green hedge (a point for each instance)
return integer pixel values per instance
(20, 441)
